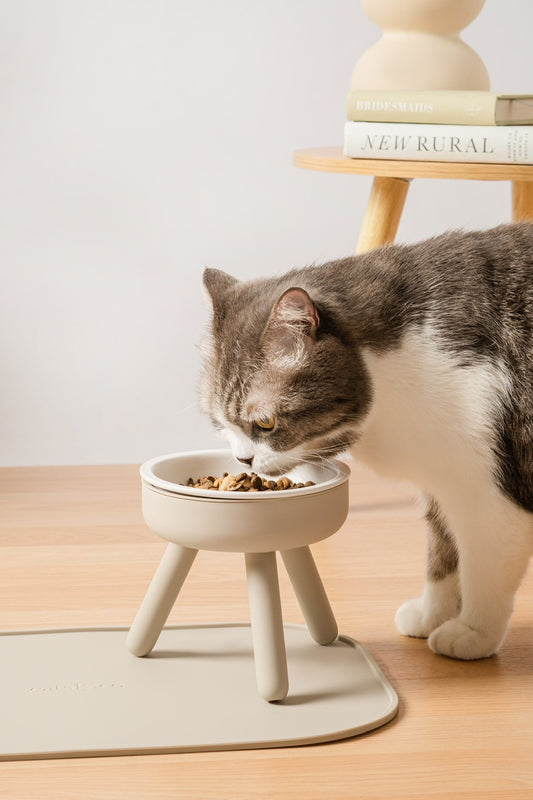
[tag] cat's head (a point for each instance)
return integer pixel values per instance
(282, 379)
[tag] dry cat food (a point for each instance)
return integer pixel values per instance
(245, 483)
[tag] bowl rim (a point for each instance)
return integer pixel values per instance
(340, 474)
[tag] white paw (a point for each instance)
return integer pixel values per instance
(419, 617)
(412, 620)
(440, 601)
(457, 640)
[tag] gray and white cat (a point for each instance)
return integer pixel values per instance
(419, 359)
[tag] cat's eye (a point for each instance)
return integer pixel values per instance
(265, 423)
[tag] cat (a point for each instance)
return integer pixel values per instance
(419, 360)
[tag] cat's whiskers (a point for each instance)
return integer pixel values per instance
(312, 458)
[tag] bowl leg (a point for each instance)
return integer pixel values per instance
(267, 625)
(310, 594)
(159, 599)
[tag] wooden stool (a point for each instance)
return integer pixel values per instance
(391, 183)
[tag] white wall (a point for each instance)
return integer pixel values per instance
(141, 140)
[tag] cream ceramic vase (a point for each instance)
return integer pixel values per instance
(420, 48)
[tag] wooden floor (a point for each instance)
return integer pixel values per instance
(74, 552)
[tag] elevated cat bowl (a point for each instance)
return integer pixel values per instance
(243, 522)
(256, 524)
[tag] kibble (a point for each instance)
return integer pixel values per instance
(245, 482)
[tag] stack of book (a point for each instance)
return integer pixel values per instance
(481, 127)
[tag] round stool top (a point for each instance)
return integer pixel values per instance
(332, 159)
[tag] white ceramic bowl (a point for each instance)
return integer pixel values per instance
(252, 522)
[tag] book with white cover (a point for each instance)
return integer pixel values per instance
(509, 144)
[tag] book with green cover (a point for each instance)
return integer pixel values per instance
(440, 107)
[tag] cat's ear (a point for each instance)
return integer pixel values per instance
(217, 283)
(296, 310)
(293, 323)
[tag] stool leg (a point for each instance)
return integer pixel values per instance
(522, 198)
(159, 598)
(383, 213)
(267, 625)
(311, 594)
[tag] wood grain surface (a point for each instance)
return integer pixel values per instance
(74, 552)
(331, 159)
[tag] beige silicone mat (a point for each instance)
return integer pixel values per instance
(69, 693)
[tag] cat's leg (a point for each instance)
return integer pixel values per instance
(495, 540)
(441, 598)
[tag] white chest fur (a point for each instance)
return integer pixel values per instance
(431, 417)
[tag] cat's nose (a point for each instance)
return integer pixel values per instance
(248, 461)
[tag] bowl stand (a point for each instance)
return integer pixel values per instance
(198, 691)
(265, 608)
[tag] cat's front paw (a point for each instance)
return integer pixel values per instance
(419, 617)
(411, 621)
(457, 640)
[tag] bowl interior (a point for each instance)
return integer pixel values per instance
(171, 472)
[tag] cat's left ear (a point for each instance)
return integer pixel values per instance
(218, 282)
(294, 321)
